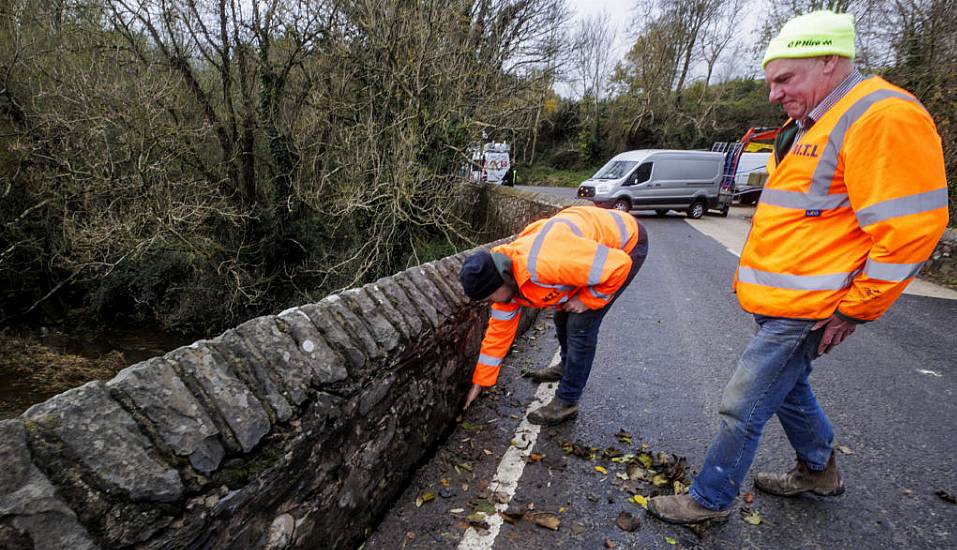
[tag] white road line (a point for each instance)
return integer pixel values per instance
(510, 469)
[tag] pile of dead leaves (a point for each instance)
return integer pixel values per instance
(642, 472)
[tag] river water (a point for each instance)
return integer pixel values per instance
(131, 344)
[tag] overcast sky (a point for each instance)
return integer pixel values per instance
(622, 14)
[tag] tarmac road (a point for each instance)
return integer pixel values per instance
(666, 350)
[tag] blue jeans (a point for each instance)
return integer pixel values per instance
(771, 378)
(578, 332)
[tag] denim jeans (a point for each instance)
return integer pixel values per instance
(771, 378)
(578, 332)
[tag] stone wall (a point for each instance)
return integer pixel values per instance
(296, 430)
(942, 266)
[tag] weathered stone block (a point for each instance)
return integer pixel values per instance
(422, 302)
(325, 365)
(403, 304)
(106, 439)
(28, 500)
(323, 318)
(180, 421)
(355, 326)
(396, 319)
(238, 407)
(449, 287)
(443, 305)
(248, 363)
(381, 327)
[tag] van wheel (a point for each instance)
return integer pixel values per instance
(661, 212)
(697, 209)
(622, 204)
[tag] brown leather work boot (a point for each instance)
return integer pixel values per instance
(683, 509)
(548, 374)
(802, 479)
(555, 412)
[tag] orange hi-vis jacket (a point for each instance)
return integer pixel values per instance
(850, 213)
(582, 252)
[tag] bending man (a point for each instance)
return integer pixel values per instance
(578, 262)
(856, 202)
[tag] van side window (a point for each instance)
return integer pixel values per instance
(642, 174)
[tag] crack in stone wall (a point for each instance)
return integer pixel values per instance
(295, 430)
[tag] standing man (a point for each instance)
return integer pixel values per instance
(856, 202)
(578, 262)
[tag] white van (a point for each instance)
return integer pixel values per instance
(660, 180)
(750, 163)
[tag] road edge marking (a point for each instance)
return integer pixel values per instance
(510, 468)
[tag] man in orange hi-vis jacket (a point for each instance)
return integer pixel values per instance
(856, 202)
(578, 262)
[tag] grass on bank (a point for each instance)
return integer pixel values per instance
(542, 174)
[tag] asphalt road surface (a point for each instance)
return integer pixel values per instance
(665, 352)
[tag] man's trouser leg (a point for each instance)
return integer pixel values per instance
(580, 332)
(773, 370)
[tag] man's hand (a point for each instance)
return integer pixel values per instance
(835, 331)
(574, 306)
(473, 394)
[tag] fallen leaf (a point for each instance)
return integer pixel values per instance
(750, 516)
(671, 541)
(487, 451)
(512, 517)
(592, 497)
(679, 487)
(624, 437)
(479, 524)
(457, 510)
(499, 497)
(610, 543)
(425, 497)
(535, 457)
(561, 510)
(659, 480)
(611, 453)
(444, 482)
(601, 470)
(947, 497)
(640, 501)
(627, 522)
(544, 519)
(844, 449)
(465, 466)
(622, 459)
(645, 460)
(483, 506)
(466, 425)
(622, 475)
(748, 497)
(578, 527)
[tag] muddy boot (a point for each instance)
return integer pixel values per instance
(548, 374)
(556, 412)
(802, 479)
(683, 509)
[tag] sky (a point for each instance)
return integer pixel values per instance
(622, 13)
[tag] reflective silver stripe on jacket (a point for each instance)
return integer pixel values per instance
(504, 315)
(489, 360)
(537, 246)
(597, 294)
(817, 196)
(622, 230)
(597, 265)
(832, 281)
(902, 206)
(891, 272)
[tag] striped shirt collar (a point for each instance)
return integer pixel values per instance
(832, 98)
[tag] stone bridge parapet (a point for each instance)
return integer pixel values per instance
(292, 430)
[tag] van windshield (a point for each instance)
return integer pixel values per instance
(614, 170)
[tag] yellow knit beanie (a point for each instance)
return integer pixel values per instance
(817, 33)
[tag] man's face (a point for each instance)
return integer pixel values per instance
(502, 294)
(798, 84)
